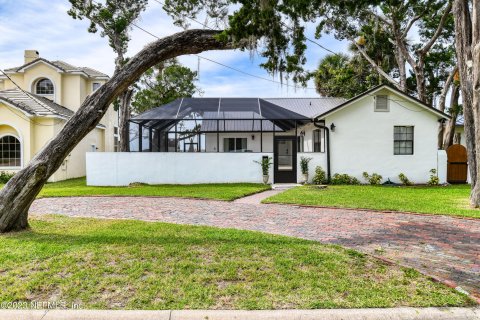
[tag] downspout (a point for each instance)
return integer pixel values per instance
(322, 126)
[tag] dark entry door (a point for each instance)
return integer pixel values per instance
(285, 159)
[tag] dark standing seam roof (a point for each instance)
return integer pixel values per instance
(219, 108)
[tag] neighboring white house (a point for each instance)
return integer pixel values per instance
(202, 140)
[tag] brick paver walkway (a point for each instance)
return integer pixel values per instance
(445, 247)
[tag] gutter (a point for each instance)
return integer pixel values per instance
(327, 130)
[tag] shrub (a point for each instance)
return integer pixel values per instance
(403, 178)
(343, 178)
(434, 180)
(320, 176)
(265, 164)
(304, 164)
(5, 176)
(373, 179)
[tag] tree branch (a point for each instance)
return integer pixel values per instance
(446, 87)
(439, 30)
(376, 66)
(409, 25)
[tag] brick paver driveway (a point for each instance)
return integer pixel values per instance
(445, 247)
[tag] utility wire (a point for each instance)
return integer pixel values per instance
(31, 97)
(230, 67)
(308, 39)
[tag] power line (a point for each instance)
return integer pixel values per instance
(31, 97)
(230, 67)
(397, 83)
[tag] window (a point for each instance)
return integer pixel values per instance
(95, 86)
(381, 103)
(300, 140)
(44, 87)
(234, 144)
(403, 140)
(10, 152)
(319, 140)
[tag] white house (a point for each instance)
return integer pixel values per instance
(204, 140)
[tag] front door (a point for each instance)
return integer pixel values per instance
(285, 159)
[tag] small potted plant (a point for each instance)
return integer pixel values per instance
(304, 167)
(265, 164)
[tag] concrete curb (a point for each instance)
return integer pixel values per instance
(323, 314)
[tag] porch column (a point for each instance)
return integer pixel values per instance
(140, 137)
(218, 136)
(176, 138)
(150, 139)
(261, 135)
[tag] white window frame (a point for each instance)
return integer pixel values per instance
(399, 140)
(321, 134)
(21, 152)
(33, 87)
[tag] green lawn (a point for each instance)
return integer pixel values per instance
(450, 200)
(140, 265)
(220, 191)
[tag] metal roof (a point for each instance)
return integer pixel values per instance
(309, 107)
(219, 108)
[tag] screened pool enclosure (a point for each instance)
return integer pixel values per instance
(214, 125)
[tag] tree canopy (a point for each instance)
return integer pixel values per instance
(164, 83)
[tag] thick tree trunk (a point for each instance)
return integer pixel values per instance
(441, 105)
(124, 124)
(450, 129)
(463, 45)
(420, 77)
(402, 71)
(19, 193)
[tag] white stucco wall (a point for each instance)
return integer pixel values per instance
(363, 140)
(120, 169)
(317, 159)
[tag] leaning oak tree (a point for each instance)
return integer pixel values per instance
(115, 19)
(277, 26)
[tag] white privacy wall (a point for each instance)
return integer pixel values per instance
(316, 159)
(121, 169)
(363, 140)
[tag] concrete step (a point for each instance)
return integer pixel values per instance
(284, 186)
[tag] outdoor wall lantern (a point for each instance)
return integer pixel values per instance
(302, 133)
(253, 137)
(332, 127)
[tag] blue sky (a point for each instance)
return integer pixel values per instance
(45, 26)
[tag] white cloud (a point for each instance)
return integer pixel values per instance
(30, 24)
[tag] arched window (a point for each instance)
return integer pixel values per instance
(10, 152)
(44, 86)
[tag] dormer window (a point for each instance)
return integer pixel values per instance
(44, 87)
